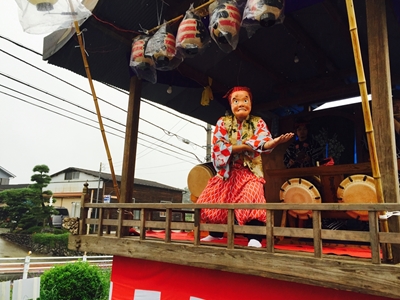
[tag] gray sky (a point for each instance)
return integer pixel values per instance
(30, 135)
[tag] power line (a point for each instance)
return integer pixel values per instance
(50, 94)
(113, 87)
(163, 148)
(90, 120)
(56, 77)
(74, 86)
(187, 141)
(55, 112)
(170, 145)
(57, 97)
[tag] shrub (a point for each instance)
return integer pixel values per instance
(32, 230)
(75, 281)
(51, 240)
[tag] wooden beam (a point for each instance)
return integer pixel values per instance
(378, 51)
(131, 135)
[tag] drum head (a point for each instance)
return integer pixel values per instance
(299, 190)
(357, 189)
(198, 178)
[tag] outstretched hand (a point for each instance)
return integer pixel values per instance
(283, 138)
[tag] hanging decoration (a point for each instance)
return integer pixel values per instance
(161, 47)
(142, 64)
(262, 13)
(164, 52)
(207, 94)
(225, 19)
(192, 37)
(47, 16)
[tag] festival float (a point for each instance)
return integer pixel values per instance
(295, 56)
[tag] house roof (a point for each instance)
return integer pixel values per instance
(7, 172)
(314, 31)
(13, 186)
(108, 176)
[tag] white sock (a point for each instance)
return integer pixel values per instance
(254, 243)
(210, 238)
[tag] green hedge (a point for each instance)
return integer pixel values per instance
(51, 240)
(75, 281)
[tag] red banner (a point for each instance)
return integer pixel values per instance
(136, 279)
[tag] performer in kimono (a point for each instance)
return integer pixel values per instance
(304, 151)
(238, 142)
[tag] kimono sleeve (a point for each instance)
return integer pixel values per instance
(222, 148)
(261, 135)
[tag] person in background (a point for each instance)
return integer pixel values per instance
(238, 142)
(304, 151)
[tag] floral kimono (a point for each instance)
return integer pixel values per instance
(240, 177)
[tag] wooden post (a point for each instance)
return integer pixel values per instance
(374, 237)
(168, 220)
(85, 198)
(196, 227)
(382, 110)
(270, 231)
(369, 128)
(316, 218)
(230, 231)
(100, 230)
(131, 134)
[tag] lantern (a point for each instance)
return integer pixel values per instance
(161, 47)
(264, 13)
(225, 19)
(192, 36)
(142, 64)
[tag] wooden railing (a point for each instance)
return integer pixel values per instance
(374, 237)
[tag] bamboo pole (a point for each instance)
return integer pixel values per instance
(96, 103)
(367, 117)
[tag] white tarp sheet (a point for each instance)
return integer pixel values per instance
(46, 16)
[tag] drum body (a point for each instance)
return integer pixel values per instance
(357, 189)
(198, 178)
(299, 190)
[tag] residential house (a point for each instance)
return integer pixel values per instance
(5, 181)
(67, 186)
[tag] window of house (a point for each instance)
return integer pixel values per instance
(71, 175)
(162, 213)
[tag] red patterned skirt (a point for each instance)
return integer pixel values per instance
(241, 187)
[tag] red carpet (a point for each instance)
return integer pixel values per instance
(340, 249)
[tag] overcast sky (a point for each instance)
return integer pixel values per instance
(42, 126)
